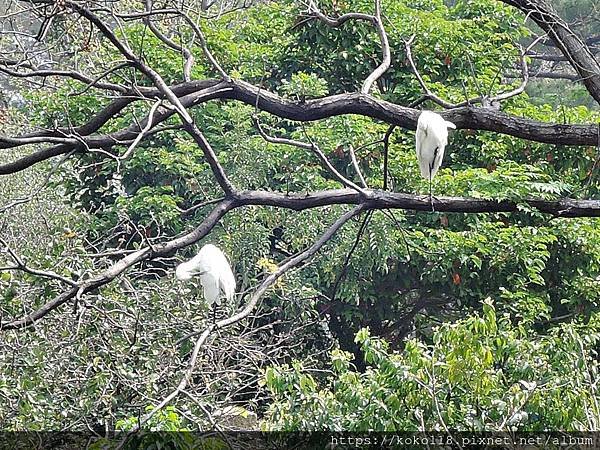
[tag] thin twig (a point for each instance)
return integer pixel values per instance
(20, 265)
(357, 167)
(373, 19)
(386, 150)
(313, 147)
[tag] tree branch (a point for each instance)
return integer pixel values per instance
(377, 22)
(197, 92)
(75, 141)
(313, 148)
(428, 93)
(372, 200)
(386, 60)
(20, 265)
(376, 199)
(94, 82)
(568, 42)
(187, 54)
(122, 265)
(188, 122)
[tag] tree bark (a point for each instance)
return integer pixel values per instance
(568, 42)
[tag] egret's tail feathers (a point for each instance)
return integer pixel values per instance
(450, 125)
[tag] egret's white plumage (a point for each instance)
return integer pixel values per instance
(431, 141)
(432, 138)
(211, 265)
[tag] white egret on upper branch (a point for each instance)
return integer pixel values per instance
(432, 138)
(216, 277)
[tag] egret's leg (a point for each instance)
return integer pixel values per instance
(214, 318)
(431, 189)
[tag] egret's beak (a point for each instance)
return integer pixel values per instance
(199, 273)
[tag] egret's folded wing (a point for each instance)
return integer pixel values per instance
(210, 286)
(422, 157)
(439, 157)
(227, 284)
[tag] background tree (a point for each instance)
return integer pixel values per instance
(282, 131)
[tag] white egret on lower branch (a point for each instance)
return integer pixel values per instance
(216, 277)
(431, 140)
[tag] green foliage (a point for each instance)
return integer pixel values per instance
(303, 86)
(480, 373)
(166, 419)
(156, 205)
(166, 429)
(506, 363)
(467, 43)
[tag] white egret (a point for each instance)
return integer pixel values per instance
(216, 277)
(431, 140)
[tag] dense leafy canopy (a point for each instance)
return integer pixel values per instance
(413, 320)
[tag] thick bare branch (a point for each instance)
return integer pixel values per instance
(376, 199)
(373, 200)
(197, 92)
(568, 42)
(34, 158)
